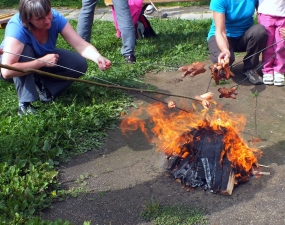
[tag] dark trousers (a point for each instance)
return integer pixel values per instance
(251, 42)
(25, 85)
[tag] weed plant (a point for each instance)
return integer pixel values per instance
(78, 120)
(170, 215)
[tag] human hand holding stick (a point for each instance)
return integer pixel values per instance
(224, 56)
(221, 71)
(103, 63)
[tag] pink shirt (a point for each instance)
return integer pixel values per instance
(135, 9)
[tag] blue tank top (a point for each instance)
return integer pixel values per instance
(15, 29)
(238, 16)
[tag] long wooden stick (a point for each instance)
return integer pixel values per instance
(92, 82)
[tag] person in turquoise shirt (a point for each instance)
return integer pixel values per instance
(233, 30)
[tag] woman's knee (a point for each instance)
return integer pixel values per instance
(259, 32)
(82, 64)
(73, 61)
(79, 66)
(28, 54)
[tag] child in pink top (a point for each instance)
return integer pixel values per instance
(271, 14)
(135, 9)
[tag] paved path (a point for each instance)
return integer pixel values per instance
(105, 13)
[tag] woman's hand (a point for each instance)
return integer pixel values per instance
(223, 56)
(84, 48)
(282, 32)
(103, 63)
(49, 60)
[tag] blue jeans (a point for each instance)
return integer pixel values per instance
(124, 18)
(85, 20)
(25, 85)
(126, 26)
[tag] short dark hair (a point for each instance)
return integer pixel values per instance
(29, 8)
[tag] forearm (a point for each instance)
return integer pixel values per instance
(35, 64)
(221, 35)
(90, 52)
(222, 42)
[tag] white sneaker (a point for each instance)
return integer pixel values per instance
(278, 79)
(268, 78)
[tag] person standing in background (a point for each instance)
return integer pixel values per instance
(86, 18)
(125, 24)
(271, 14)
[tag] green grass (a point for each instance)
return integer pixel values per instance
(169, 215)
(78, 121)
(78, 4)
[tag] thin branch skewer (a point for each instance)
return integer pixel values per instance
(91, 82)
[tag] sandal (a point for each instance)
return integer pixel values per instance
(278, 79)
(268, 78)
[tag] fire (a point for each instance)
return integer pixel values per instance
(169, 131)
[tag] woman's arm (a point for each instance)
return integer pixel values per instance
(12, 49)
(84, 48)
(221, 36)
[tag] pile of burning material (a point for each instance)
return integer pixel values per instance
(203, 150)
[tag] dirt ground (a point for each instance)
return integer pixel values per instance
(128, 173)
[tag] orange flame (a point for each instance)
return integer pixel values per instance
(167, 128)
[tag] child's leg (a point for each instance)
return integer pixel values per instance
(268, 22)
(279, 64)
(279, 67)
(126, 26)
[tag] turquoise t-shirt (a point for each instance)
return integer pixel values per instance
(238, 15)
(15, 29)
